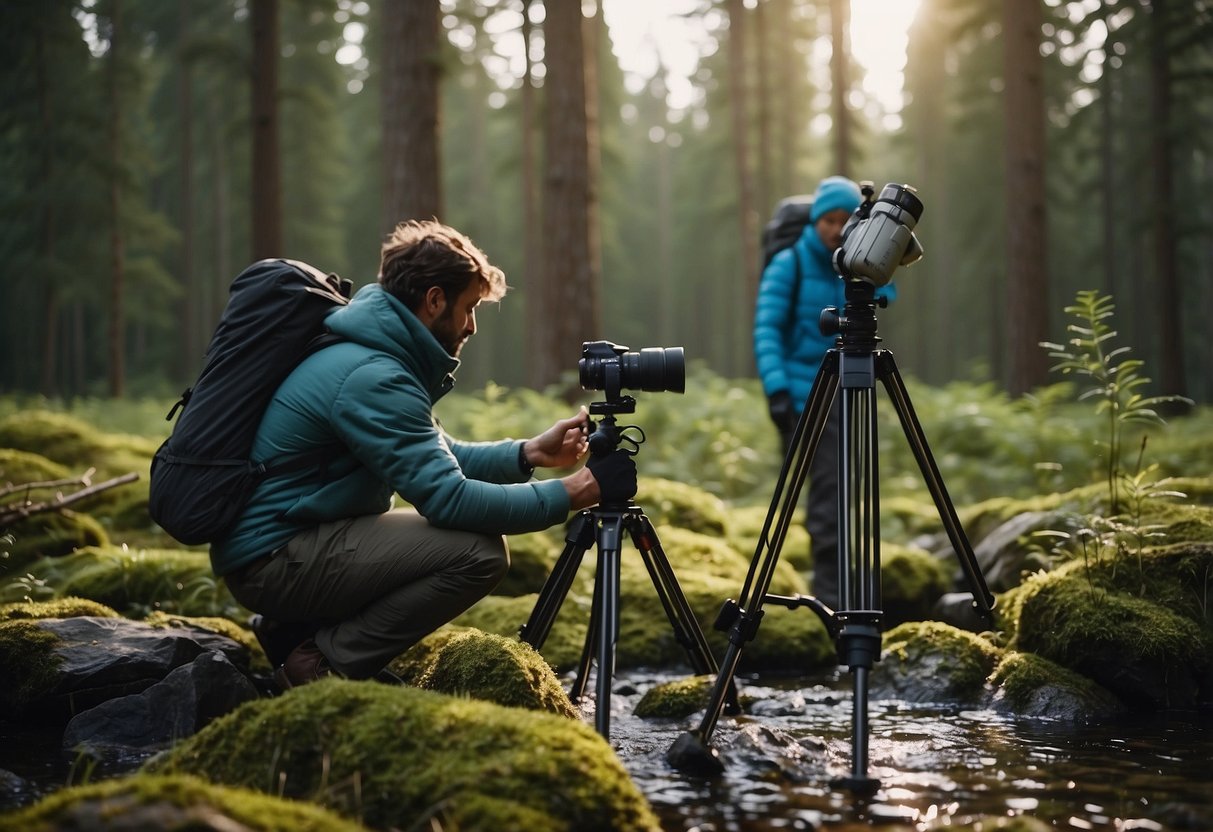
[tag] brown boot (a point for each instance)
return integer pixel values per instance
(304, 664)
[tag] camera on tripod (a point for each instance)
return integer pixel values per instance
(611, 367)
(879, 236)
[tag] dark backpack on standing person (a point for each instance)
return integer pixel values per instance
(782, 230)
(203, 475)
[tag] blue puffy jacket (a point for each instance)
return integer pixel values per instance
(371, 399)
(788, 348)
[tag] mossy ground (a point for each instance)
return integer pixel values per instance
(27, 663)
(389, 755)
(171, 802)
(68, 607)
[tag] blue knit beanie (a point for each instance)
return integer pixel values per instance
(833, 193)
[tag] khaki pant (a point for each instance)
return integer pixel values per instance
(375, 585)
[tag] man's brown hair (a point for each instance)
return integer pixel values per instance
(419, 254)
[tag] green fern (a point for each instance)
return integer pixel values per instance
(1115, 380)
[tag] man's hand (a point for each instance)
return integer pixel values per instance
(561, 445)
(615, 473)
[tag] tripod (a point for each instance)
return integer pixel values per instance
(851, 367)
(605, 525)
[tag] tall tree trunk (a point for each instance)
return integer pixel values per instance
(1107, 158)
(930, 318)
(267, 161)
(747, 224)
(50, 326)
(791, 107)
(530, 199)
(216, 290)
(190, 346)
(117, 311)
(409, 112)
(762, 48)
(1027, 307)
(569, 296)
(840, 87)
(1170, 310)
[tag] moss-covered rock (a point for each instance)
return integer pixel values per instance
(670, 503)
(1148, 655)
(391, 754)
(676, 699)
(75, 444)
(28, 663)
(23, 467)
(497, 669)
(532, 557)
(1030, 685)
(50, 534)
(243, 636)
(58, 608)
(745, 527)
(911, 582)
(139, 581)
(928, 661)
(171, 802)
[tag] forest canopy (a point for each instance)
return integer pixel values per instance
(149, 150)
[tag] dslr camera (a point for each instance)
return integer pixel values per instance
(879, 236)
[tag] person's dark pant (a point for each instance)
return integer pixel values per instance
(821, 518)
(378, 584)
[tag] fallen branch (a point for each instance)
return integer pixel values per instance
(20, 511)
(84, 479)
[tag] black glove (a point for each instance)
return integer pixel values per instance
(782, 412)
(616, 476)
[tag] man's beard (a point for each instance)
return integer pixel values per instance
(443, 331)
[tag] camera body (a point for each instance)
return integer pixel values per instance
(879, 236)
(611, 367)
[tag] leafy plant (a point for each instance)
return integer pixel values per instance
(1115, 379)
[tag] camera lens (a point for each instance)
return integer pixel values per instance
(611, 367)
(903, 196)
(654, 369)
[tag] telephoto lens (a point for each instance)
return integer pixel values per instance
(874, 246)
(611, 367)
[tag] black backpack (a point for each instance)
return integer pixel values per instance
(782, 231)
(202, 475)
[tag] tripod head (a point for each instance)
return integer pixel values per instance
(607, 436)
(856, 324)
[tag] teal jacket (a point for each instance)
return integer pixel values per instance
(788, 343)
(371, 399)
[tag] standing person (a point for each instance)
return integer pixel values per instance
(789, 347)
(344, 583)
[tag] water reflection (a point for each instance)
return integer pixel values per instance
(937, 766)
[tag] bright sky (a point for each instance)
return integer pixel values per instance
(642, 29)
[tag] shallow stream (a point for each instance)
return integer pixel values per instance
(937, 766)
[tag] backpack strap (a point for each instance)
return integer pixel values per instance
(794, 300)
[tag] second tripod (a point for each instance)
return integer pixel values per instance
(605, 525)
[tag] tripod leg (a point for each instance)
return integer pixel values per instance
(741, 619)
(578, 539)
(591, 635)
(983, 599)
(687, 631)
(607, 621)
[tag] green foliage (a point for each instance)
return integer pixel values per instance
(1114, 380)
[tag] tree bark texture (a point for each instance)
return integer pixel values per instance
(410, 114)
(840, 86)
(267, 162)
(569, 296)
(1027, 302)
(1170, 309)
(117, 310)
(746, 217)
